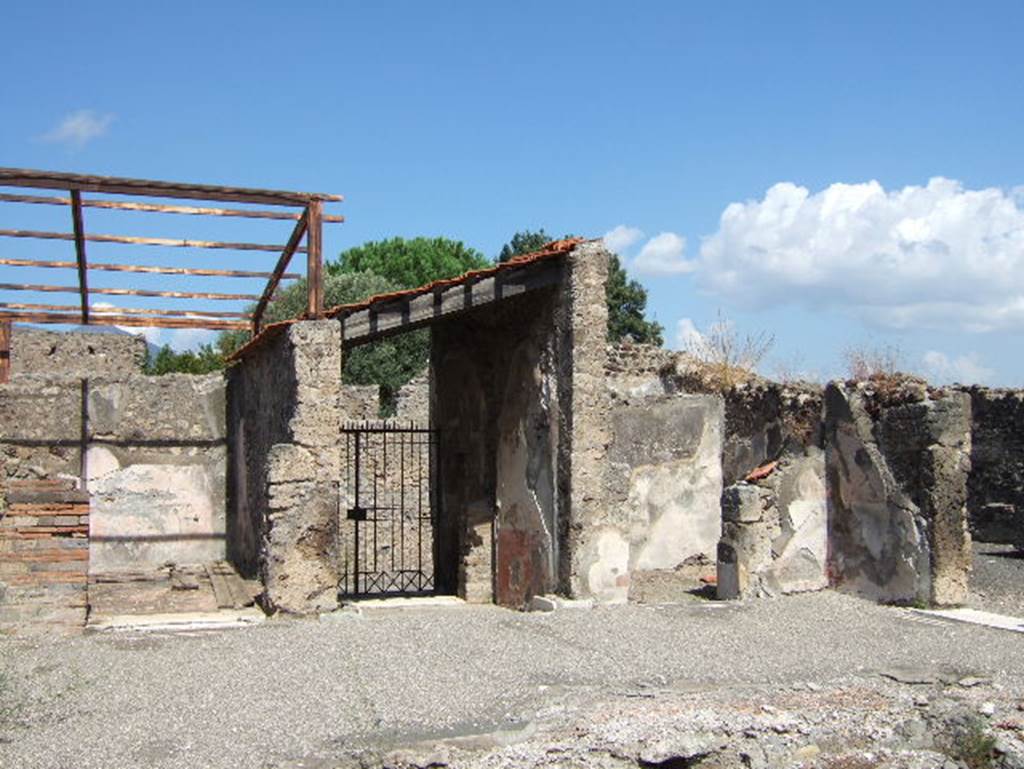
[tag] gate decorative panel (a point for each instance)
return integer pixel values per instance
(389, 509)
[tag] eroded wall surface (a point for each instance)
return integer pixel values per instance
(897, 464)
(285, 416)
(996, 483)
(775, 530)
(150, 451)
(85, 353)
(662, 484)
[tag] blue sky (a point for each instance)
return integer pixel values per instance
(474, 120)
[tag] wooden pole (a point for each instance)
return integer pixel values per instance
(79, 229)
(282, 263)
(5, 351)
(314, 259)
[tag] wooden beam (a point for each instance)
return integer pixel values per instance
(314, 260)
(5, 351)
(127, 292)
(141, 241)
(105, 266)
(79, 229)
(286, 256)
(21, 177)
(72, 318)
(399, 315)
(94, 310)
(159, 208)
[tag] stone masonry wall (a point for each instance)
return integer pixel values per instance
(149, 450)
(774, 530)
(662, 485)
(76, 353)
(285, 420)
(898, 457)
(995, 487)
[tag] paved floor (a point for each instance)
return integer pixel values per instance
(298, 689)
(997, 581)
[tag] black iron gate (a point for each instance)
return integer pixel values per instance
(389, 509)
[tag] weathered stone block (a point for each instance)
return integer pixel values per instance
(897, 460)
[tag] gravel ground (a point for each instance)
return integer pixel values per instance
(997, 582)
(314, 690)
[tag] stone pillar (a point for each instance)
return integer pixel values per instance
(582, 319)
(898, 457)
(286, 407)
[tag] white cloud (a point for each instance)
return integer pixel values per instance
(79, 128)
(966, 369)
(932, 256)
(688, 337)
(663, 255)
(621, 238)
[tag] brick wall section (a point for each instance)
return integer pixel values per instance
(76, 353)
(44, 554)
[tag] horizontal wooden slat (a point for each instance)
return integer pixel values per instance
(96, 310)
(21, 177)
(127, 292)
(159, 208)
(124, 320)
(144, 241)
(108, 267)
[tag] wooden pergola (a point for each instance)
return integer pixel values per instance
(306, 209)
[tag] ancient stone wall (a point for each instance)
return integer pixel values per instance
(662, 485)
(359, 403)
(77, 353)
(44, 554)
(149, 450)
(898, 457)
(995, 487)
(412, 404)
(774, 530)
(285, 420)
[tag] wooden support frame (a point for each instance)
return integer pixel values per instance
(308, 220)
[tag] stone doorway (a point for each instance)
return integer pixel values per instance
(389, 509)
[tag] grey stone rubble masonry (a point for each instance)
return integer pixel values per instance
(996, 483)
(898, 456)
(298, 547)
(77, 353)
(774, 532)
(154, 461)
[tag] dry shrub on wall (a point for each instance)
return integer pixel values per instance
(865, 363)
(723, 357)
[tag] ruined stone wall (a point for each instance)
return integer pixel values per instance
(898, 457)
(774, 530)
(412, 404)
(662, 485)
(149, 450)
(995, 487)
(78, 353)
(359, 403)
(285, 419)
(494, 400)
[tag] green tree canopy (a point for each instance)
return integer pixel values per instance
(205, 360)
(389, 363)
(410, 263)
(627, 301)
(523, 243)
